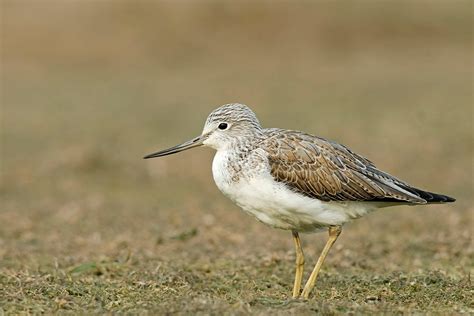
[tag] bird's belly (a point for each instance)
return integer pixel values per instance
(274, 204)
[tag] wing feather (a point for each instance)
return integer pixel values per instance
(329, 171)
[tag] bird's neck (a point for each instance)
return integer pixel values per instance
(234, 164)
(243, 144)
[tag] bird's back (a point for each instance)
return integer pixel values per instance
(328, 171)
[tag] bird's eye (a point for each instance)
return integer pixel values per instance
(223, 126)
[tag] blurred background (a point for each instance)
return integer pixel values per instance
(90, 87)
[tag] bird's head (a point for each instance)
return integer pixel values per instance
(224, 127)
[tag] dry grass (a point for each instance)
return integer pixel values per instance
(89, 87)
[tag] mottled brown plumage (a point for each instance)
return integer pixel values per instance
(329, 171)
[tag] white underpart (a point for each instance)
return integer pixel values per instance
(274, 204)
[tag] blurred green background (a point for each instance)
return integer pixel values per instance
(89, 87)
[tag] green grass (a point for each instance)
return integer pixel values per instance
(87, 226)
(226, 286)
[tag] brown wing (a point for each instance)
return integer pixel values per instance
(328, 171)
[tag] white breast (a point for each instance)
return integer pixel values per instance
(274, 204)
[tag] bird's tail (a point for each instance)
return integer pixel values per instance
(430, 197)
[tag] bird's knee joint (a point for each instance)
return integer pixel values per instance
(299, 261)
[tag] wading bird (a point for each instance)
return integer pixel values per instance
(295, 181)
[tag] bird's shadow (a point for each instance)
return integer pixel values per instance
(276, 302)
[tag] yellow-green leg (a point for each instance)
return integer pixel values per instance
(334, 232)
(299, 265)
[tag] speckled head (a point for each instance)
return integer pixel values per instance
(228, 124)
(224, 127)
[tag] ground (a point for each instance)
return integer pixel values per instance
(88, 226)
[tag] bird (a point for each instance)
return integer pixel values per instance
(295, 181)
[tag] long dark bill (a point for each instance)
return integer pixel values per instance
(195, 142)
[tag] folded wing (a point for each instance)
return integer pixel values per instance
(328, 171)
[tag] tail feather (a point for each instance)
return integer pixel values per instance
(430, 197)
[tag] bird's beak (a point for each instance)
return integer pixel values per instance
(195, 142)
